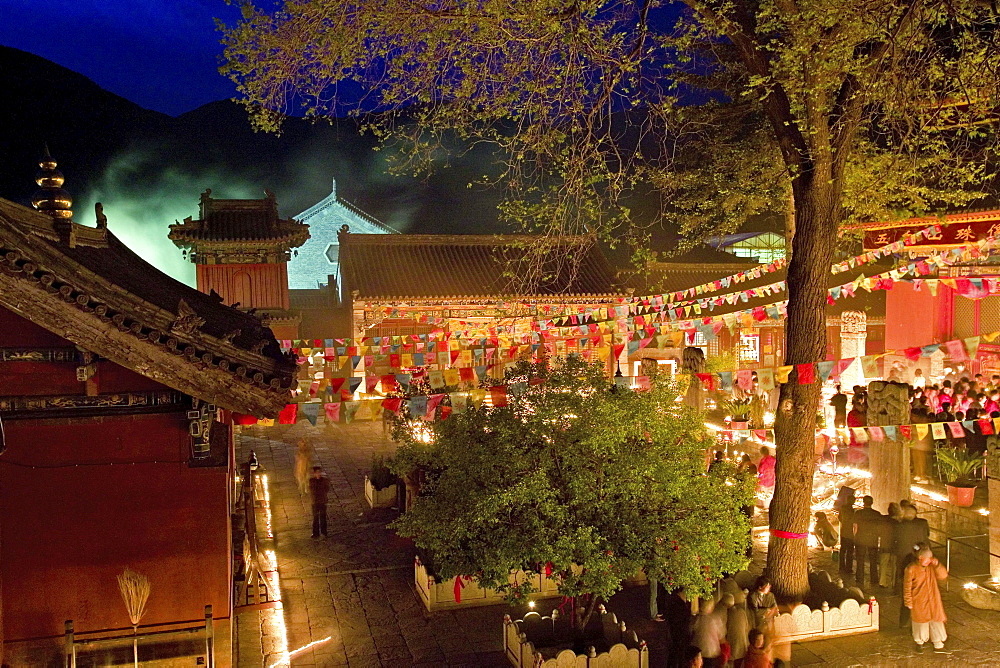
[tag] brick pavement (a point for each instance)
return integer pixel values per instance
(352, 593)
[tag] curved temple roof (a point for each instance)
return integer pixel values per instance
(85, 285)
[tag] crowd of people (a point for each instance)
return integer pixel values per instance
(963, 400)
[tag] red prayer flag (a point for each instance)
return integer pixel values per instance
(913, 354)
(288, 414)
(336, 384)
(498, 394)
(906, 430)
(371, 382)
(806, 373)
(708, 380)
(986, 426)
(389, 383)
(467, 374)
(392, 404)
(239, 418)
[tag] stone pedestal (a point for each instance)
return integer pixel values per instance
(888, 404)
(853, 335)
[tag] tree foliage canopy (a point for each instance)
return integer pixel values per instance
(595, 481)
(715, 105)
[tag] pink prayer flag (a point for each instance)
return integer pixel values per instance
(877, 433)
(955, 350)
(744, 379)
(332, 412)
(956, 429)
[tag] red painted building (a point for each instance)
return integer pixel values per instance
(961, 303)
(117, 384)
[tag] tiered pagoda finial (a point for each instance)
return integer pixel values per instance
(50, 198)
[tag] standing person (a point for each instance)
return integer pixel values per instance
(839, 403)
(319, 490)
(737, 625)
(923, 446)
(302, 457)
(765, 469)
(918, 378)
(709, 632)
(867, 523)
(922, 595)
(887, 545)
(858, 417)
(762, 605)
(758, 652)
(844, 505)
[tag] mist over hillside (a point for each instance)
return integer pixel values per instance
(148, 169)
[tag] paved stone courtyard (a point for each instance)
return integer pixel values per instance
(352, 594)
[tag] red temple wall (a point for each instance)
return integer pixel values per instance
(262, 286)
(914, 317)
(82, 500)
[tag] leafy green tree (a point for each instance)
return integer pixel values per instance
(832, 110)
(593, 481)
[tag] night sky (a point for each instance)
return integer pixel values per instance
(160, 54)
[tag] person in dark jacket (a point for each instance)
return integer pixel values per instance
(844, 505)
(867, 526)
(319, 491)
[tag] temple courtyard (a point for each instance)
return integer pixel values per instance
(349, 599)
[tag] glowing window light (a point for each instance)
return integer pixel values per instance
(970, 585)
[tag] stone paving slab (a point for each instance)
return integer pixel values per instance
(354, 590)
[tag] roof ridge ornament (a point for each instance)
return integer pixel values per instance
(188, 321)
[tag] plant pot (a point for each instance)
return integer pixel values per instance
(739, 424)
(379, 498)
(961, 495)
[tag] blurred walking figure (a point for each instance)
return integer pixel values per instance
(319, 489)
(302, 457)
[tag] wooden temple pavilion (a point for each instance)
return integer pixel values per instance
(241, 249)
(118, 386)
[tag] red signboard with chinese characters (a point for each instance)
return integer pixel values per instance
(956, 230)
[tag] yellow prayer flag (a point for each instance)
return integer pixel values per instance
(781, 373)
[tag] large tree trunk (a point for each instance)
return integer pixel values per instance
(817, 207)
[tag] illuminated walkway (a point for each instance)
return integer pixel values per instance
(349, 599)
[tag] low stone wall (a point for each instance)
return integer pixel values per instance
(546, 642)
(467, 592)
(849, 616)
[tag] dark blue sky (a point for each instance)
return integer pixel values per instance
(160, 54)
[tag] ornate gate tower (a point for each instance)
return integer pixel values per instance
(241, 249)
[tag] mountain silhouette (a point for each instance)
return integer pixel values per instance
(113, 150)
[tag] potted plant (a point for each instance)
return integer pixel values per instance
(380, 484)
(738, 411)
(957, 466)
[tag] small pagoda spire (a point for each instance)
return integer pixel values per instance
(50, 198)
